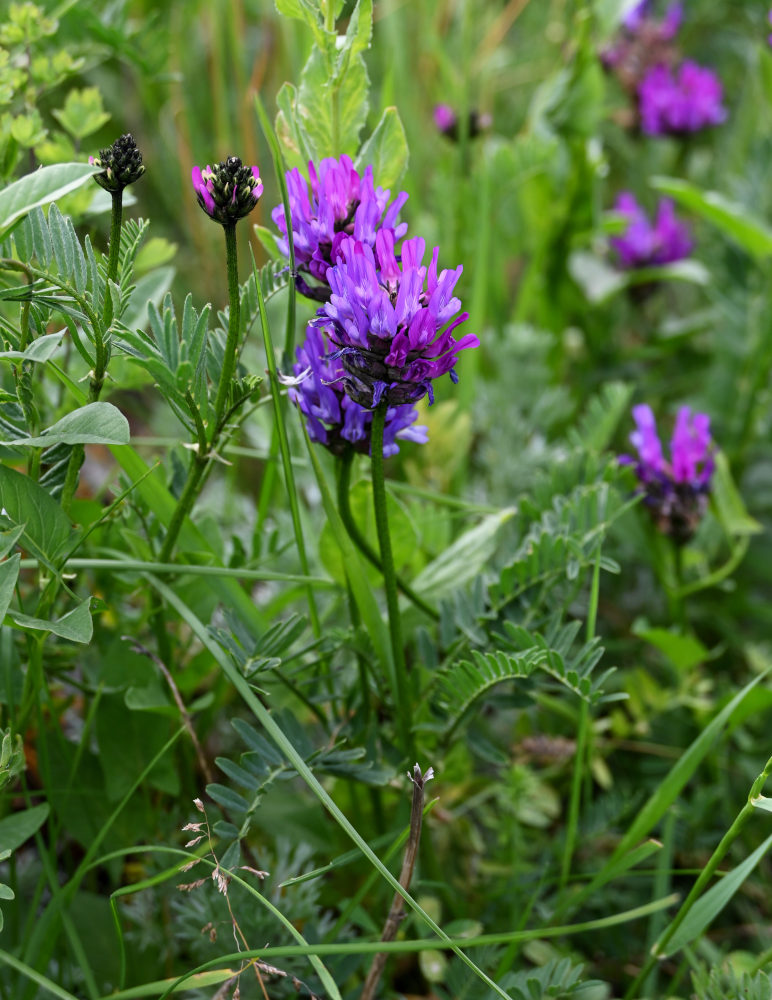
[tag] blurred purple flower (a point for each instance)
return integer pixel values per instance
(227, 191)
(332, 418)
(339, 203)
(392, 321)
(676, 492)
(643, 42)
(446, 122)
(643, 244)
(680, 101)
(769, 19)
(639, 19)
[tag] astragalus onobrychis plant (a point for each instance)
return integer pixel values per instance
(361, 634)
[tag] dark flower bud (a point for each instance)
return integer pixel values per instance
(227, 191)
(122, 163)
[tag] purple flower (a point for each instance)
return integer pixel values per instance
(339, 203)
(680, 101)
(642, 43)
(227, 191)
(392, 321)
(333, 418)
(676, 492)
(643, 244)
(638, 20)
(769, 19)
(444, 117)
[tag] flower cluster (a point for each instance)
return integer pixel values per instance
(122, 163)
(446, 122)
(339, 204)
(227, 191)
(333, 418)
(392, 320)
(644, 244)
(672, 97)
(676, 492)
(681, 100)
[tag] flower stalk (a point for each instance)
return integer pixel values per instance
(401, 694)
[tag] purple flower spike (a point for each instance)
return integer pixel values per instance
(676, 492)
(335, 203)
(444, 117)
(227, 191)
(392, 320)
(680, 101)
(645, 245)
(332, 418)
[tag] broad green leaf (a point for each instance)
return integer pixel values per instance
(95, 423)
(763, 802)
(386, 149)
(40, 349)
(9, 573)
(734, 220)
(729, 506)
(127, 740)
(464, 559)
(20, 826)
(333, 113)
(9, 538)
(684, 651)
(76, 625)
(707, 907)
(46, 527)
(39, 188)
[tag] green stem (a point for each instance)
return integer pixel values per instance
(234, 320)
(344, 508)
(401, 695)
(184, 506)
(101, 354)
(114, 252)
(705, 876)
(572, 824)
(286, 458)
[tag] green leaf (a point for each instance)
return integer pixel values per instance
(46, 527)
(734, 220)
(269, 241)
(683, 651)
(76, 625)
(83, 112)
(670, 788)
(712, 903)
(9, 573)
(20, 826)
(386, 149)
(332, 112)
(9, 538)
(95, 423)
(40, 349)
(39, 188)
(728, 504)
(464, 559)
(600, 281)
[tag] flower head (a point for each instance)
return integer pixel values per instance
(122, 163)
(643, 41)
(336, 203)
(679, 101)
(227, 191)
(392, 321)
(333, 418)
(676, 492)
(643, 244)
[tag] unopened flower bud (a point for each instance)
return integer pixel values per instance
(227, 191)
(121, 163)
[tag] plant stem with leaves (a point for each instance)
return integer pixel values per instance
(401, 694)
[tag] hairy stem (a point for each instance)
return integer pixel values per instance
(234, 320)
(344, 509)
(401, 695)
